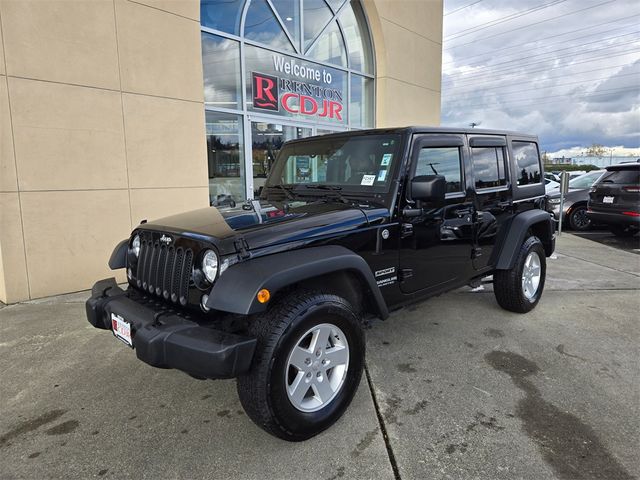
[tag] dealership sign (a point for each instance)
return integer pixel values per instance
(297, 90)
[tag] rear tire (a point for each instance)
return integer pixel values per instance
(623, 231)
(520, 288)
(307, 365)
(578, 219)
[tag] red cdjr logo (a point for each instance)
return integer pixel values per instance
(265, 91)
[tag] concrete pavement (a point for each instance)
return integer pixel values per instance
(458, 388)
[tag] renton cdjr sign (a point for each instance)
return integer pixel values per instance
(296, 96)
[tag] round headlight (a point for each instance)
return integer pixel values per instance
(210, 265)
(135, 245)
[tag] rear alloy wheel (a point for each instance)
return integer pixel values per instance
(307, 365)
(520, 288)
(578, 219)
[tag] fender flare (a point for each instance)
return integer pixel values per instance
(235, 291)
(118, 257)
(518, 229)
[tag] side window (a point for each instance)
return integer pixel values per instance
(527, 162)
(488, 167)
(443, 161)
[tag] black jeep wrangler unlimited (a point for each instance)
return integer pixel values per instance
(276, 292)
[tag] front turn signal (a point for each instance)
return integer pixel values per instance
(263, 295)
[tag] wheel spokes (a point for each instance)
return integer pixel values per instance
(336, 356)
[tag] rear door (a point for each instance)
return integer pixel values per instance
(490, 178)
(435, 247)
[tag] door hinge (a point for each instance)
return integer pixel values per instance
(406, 230)
(476, 252)
(242, 247)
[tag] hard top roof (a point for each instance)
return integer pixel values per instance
(424, 129)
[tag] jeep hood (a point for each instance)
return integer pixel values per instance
(262, 223)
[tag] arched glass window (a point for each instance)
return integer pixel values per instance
(276, 70)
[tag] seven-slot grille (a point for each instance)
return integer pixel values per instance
(164, 271)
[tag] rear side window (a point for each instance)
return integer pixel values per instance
(443, 161)
(621, 176)
(527, 162)
(489, 167)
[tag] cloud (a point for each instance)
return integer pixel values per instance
(566, 70)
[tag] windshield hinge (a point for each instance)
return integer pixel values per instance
(242, 247)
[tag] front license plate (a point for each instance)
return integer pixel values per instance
(121, 329)
(606, 199)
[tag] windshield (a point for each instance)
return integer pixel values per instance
(585, 181)
(362, 163)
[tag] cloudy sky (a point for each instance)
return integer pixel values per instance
(566, 70)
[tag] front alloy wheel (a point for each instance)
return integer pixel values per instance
(317, 367)
(307, 365)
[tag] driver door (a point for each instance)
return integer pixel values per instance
(436, 245)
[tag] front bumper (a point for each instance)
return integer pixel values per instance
(164, 338)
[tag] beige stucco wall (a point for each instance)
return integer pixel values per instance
(101, 125)
(408, 40)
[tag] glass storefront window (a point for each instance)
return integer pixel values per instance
(316, 15)
(223, 15)
(225, 158)
(289, 11)
(286, 86)
(361, 112)
(261, 25)
(360, 52)
(330, 47)
(296, 68)
(267, 140)
(221, 70)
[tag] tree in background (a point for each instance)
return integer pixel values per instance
(596, 150)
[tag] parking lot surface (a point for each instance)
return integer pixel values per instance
(455, 388)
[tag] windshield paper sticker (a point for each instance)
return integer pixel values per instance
(386, 159)
(368, 180)
(382, 174)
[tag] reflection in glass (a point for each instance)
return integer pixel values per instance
(357, 38)
(488, 167)
(335, 4)
(221, 70)
(225, 159)
(443, 161)
(528, 163)
(261, 25)
(361, 106)
(267, 140)
(223, 15)
(330, 47)
(316, 15)
(289, 11)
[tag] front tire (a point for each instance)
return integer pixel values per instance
(520, 288)
(578, 219)
(307, 365)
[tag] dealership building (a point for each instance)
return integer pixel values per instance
(115, 111)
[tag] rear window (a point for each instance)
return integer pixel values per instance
(621, 176)
(527, 162)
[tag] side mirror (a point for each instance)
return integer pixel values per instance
(428, 189)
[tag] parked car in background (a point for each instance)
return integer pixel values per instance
(615, 199)
(575, 201)
(550, 185)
